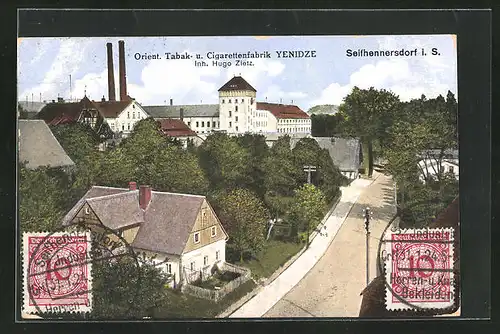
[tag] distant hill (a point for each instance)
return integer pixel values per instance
(325, 109)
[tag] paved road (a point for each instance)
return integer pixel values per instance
(332, 287)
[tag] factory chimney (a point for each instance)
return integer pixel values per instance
(123, 75)
(111, 75)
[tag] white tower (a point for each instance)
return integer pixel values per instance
(237, 106)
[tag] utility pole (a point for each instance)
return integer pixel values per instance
(309, 170)
(367, 214)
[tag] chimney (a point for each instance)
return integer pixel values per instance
(181, 114)
(123, 75)
(111, 75)
(144, 196)
(171, 102)
(132, 186)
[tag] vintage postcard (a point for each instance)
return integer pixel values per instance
(238, 177)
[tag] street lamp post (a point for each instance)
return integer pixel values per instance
(367, 214)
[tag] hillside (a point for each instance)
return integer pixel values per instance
(326, 109)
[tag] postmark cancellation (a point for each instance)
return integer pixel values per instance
(419, 269)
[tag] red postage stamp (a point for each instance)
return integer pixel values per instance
(57, 272)
(419, 269)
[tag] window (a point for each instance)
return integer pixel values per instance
(236, 118)
(169, 268)
(213, 231)
(218, 124)
(203, 217)
(133, 106)
(128, 114)
(217, 255)
(203, 124)
(230, 124)
(441, 169)
(192, 265)
(213, 124)
(123, 127)
(87, 211)
(236, 109)
(196, 237)
(450, 169)
(197, 124)
(133, 115)
(230, 113)
(229, 101)
(205, 260)
(208, 124)
(236, 128)
(223, 101)
(128, 126)
(189, 124)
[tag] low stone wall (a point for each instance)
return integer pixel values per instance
(217, 295)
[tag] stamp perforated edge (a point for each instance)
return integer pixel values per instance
(390, 306)
(27, 309)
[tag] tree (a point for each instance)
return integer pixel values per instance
(244, 217)
(41, 200)
(77, 139)
(258, 151)
(178, 170)
(280, 177)
(123, 290)
(307, 209)
(367, 114)
(326, 125)
(327, 176)
(224, 161)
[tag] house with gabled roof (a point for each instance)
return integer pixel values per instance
(120, 116)
(179, 130)
(181, 231)
(38, 147)
(345, 153)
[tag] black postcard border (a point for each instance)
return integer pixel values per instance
(473, 29)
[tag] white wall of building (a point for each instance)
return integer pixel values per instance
(215, 253)
(202, 124)
(430, 167)
(237, 111)
(126, 120)
(294, 125)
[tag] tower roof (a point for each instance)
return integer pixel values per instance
(236, 83)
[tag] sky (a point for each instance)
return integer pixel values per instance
(46, 64)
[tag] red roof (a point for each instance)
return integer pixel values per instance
(111, 109)
(282, 110)
(175, 128)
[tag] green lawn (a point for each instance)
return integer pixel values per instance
(182, 305)
(274, 254)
